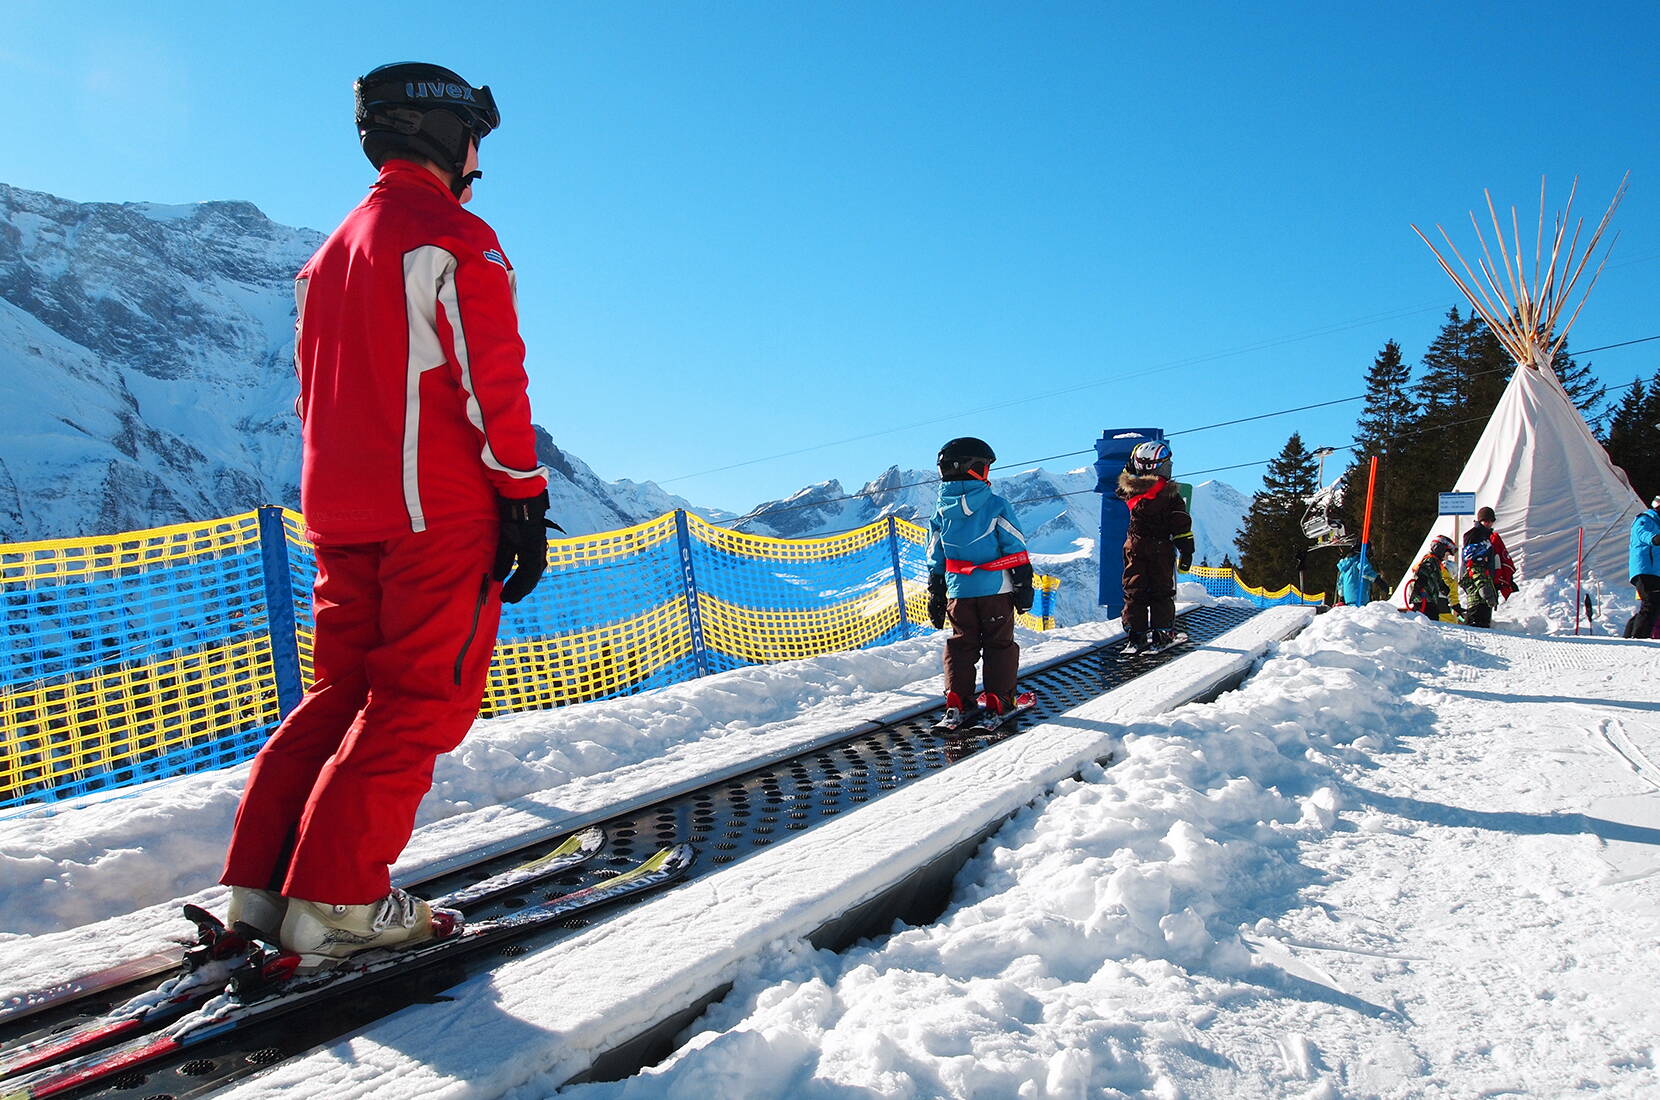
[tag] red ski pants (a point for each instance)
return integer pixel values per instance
(404, 632)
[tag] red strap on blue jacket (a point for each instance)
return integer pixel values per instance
(1007, 561)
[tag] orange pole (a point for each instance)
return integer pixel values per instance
(1366, 526)
(1371, 484)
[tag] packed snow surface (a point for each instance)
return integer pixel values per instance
(1403, 859)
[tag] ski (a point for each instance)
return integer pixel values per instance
(954, 721)
(1177, 637)
(1137, 647)
(268, 986)
(219, 952)
(21, 1005)
(988, 721)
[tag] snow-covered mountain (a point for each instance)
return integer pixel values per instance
(1060, 512)
(146, 378)
(145, 363)
(146, 372)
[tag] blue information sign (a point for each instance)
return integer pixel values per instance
(1458, 504)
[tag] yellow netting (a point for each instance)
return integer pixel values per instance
(787, 550)
(763, 636)
(65, 730)
(59, 560)
(609, 660)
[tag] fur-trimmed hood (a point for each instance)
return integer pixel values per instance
(1133, 485)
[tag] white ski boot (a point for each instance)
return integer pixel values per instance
(262, 910)
(323, 934)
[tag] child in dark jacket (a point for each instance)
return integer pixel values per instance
(1159, 539)
(1431, 594)
(979, 577)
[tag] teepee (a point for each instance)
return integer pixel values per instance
(1537, 465)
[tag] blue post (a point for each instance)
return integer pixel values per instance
(1112, 451)
(279, 607)
(898, 577)
(688, 579)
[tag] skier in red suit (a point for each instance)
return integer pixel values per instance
(422, 493)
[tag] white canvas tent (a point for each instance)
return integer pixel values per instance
(1537, 465)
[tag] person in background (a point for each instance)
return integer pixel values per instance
(1431, 590)
(1354, 587)
(1504, 570)
(1645, 572)
(979, 577)
(422, 493)
(1477, 590)
(1159, 542)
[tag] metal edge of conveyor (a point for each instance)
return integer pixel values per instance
(917, 897)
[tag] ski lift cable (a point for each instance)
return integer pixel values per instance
(748, 517)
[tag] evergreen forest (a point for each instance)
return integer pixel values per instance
(1422, 425)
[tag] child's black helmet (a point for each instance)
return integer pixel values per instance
(427, 110)
(960, 455)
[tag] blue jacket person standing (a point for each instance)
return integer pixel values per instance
(1645, 571)
(978, 577)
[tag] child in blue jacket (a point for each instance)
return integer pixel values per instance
(979, 577)
(1354, 586)
(1644, 557)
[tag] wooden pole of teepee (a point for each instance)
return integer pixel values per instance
(1524, 314)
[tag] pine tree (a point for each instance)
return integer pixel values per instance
(1272, 537)
(1581, 385)
(1387, 429)
(1634, 436)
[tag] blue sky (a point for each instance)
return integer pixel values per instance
(796, 241)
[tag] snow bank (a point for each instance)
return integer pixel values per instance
(1137, 932)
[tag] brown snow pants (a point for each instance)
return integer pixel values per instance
(981, 626)
(1149, 586)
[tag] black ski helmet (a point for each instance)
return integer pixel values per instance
(427, 110)
(960, 455)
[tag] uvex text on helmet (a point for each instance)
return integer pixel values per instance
(421, 109)
(962, 454)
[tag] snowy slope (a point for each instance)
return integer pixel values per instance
(1403, 860)
(145, 371)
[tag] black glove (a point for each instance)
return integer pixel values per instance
(936, 600)
(1021, 576)
(523, 540)
(1184, 561)
(1655, 541)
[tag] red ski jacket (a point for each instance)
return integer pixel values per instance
(412, 380)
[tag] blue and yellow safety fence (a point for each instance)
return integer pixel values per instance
(178, 649)
(1224, 581)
